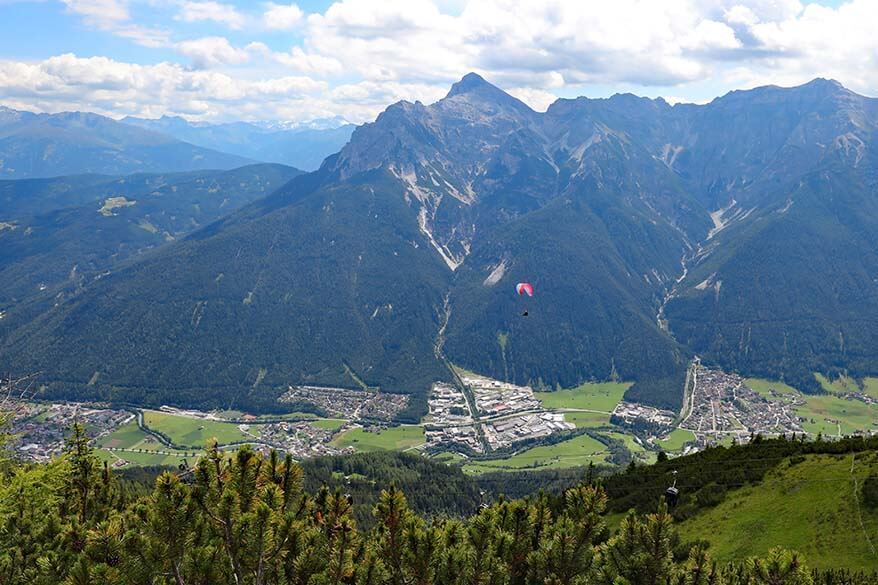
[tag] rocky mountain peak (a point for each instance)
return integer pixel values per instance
(473, 88)
(471, 82)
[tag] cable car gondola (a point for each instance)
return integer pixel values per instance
(672, 494)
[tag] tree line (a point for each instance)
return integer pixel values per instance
(248, 519)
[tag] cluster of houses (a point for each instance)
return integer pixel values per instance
(39, 431)
(350, 404)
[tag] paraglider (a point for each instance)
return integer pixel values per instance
(524, 288)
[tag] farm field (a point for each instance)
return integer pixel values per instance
(637, 450)
(235, 414)
(840, 385)
(577, 451)
(401, 437)
(143, 459)
(781, 512)
(127, 436)
(676, 440)
(588, 420)
(819, 410)
(332, 424)
(195, 432)
(762, 387)
(603, 397)
(449, 458)
(852, 415)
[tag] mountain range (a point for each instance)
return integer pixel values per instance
(302, 146)
(74, 143)
(48, 145)
(741, 231)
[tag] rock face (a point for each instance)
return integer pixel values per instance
(742, 230)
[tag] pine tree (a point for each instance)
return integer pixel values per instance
(781, 567)
(392, 514)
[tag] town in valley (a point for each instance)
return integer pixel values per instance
(474, 417)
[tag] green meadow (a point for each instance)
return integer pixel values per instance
(587, 420)
(332, 424)
(147, 458)
(389, 439)
(829, 413)
(641, 454)
(601, 396)
(574, 452)
(126, 436)
(764, 387)
(196, 432)
(840, 385)
(676, 440)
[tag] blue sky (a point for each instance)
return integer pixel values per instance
(224, 60)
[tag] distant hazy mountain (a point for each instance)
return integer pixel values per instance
(316, 124)
(50, 145)
(742, 230)
(303, 146)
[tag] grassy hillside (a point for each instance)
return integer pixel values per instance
(809, 506)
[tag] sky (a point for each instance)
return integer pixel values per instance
(215, 60)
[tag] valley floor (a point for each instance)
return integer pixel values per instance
(482, 425)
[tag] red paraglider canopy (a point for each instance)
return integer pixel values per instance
(524, 288)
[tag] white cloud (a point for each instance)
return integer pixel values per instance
(212, 51)
(106, 86)
(537, 99)
(364, 54)
(102, 13)
(282, 16)
(309, 63)
(113, 16)
(207, 10)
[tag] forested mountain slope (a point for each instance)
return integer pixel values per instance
(89, 225)
(247, 519)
